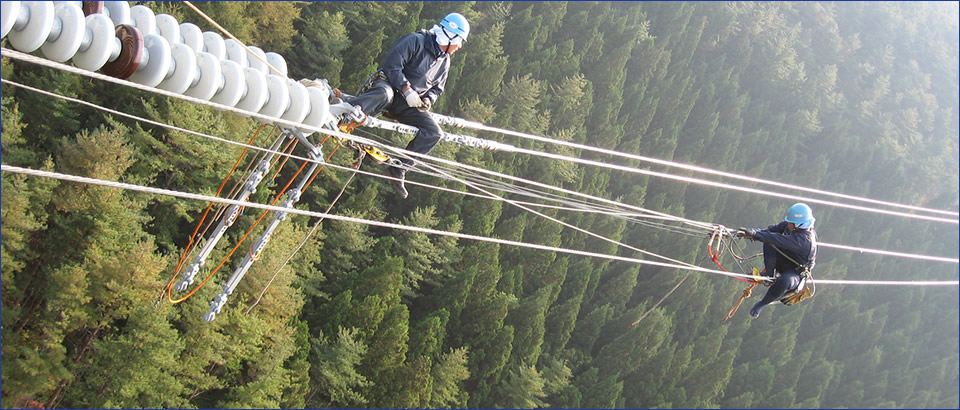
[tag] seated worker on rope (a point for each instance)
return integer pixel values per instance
(789, 248)
(415, 69)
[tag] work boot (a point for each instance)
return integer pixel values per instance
(397, 183)
(755, 310)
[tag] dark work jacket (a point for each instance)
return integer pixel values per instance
(799, 244)
(416, 60)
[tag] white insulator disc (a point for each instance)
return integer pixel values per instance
(144, 19)
(192, 36)
(299, 104)
(71, 33)
(233, 84)
(157, 63)
(9, 10)
(277, 61)
(79, 4)
(319, 114)
(29, 38)
(118, 11)
(184, 69)
(99, 28)
(278, 96)
(236, 52)
(213, 44)
(210, 77)
(257, 63)
(169, 28)
(256, 94)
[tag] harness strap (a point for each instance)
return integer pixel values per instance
(379, 75)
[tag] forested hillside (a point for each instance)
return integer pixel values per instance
(853, 97)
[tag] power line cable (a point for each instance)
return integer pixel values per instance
(207, 198)
(406, 154)
(454, 164)
(482, 127)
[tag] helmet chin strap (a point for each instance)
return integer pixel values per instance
(442, 39)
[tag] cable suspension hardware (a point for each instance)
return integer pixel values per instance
(293, 196)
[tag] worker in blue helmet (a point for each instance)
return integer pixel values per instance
(411, 79)
(789, 250)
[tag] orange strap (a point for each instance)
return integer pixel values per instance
(714, 256)
(746, 293)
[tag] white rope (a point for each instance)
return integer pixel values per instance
(405, 153)
(645, 212)
(733, 187)
(475, 125)
(187, 195)
(482, 127)
(568, 225)
(888, 253)
(595, 209)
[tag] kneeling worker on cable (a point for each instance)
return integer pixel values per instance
(789, 254)
(410, 80)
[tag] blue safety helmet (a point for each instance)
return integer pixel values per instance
(800, 215)
(456, 24)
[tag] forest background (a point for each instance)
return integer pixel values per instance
(852, 97)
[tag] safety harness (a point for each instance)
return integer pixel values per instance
(801, 292)
(792, 297)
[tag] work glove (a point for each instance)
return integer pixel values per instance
(413, 99)
(747, 233)
(427, 103)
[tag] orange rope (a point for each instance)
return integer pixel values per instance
(315, 174)
(746, 293)
(714, 257)
(291, 145)
(190, 244)
(239, 243)
(237, 185)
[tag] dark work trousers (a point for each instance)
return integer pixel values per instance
(788, 280)
(382, 97)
